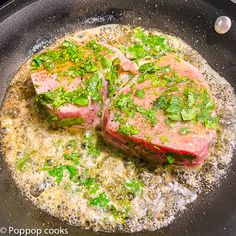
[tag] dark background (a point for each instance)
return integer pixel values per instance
(3, 1)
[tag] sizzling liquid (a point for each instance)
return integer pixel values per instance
(29, 142)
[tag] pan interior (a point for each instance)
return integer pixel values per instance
(15, 52)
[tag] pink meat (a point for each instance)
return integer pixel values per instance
(195, 144)
(180, 66)
(44, 82)
(125, 63)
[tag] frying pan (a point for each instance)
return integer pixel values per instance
(28, 25)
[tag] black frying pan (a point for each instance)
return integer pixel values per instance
(24, 23)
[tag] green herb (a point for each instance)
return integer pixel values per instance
(184, 131)
(112, 77)
(190, 99)
(211, 123)
(36, 63)
(150, 71)
(169, 122)
(90, 143)
(170, 159)
(94, 189)
(73, 172)
(68, 51)
(21, 162)
(149, 68)
(57, 172)
(93, 45)
(161, 102)
(102, 200)
(164, 139)
(94, 85)
(128, 130)
(74, 157)
(125, 103)
(149, 45)
(175, 105)
(169, 79)
(106, 62)
(72, 144)
(71, 121)
(134, 186)
(89, 182)
(140, 93)
(165, 165)
(138, 51)
(60, 96)
(187, 104)
(77, 97)
(119, 118)
(149, 115)
(88, 66)
(120, 215)
(188, 114)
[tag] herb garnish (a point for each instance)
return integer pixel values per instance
(140, 94)
(102, 200)
(148, 45)
(128, 130)
(134, 186)
(184, 131)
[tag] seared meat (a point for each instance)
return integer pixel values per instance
(165, 113)
(161, 110)
(72, 81)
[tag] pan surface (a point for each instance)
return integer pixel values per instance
(27, 26)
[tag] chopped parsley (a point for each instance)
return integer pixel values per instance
(134, 186)
(72, 171)
(148, 45)
(188, 103)
(128, 130)
(140, 94)
(73, 156)
(57, 172)
(112, 76)
(21, 162)
(125, 103)
(164, 139)
(170, 159)
(149, 115)
(161, 102)
(94, 86)
(184, 131)
(89, 142)
(68, 51)
(71, 121)
(102, 200)
(72, 144)
(60, 97)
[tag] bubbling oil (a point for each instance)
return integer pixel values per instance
(164, 193)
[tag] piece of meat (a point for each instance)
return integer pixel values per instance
(125, 63)
(45, 81)
(160, 140)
